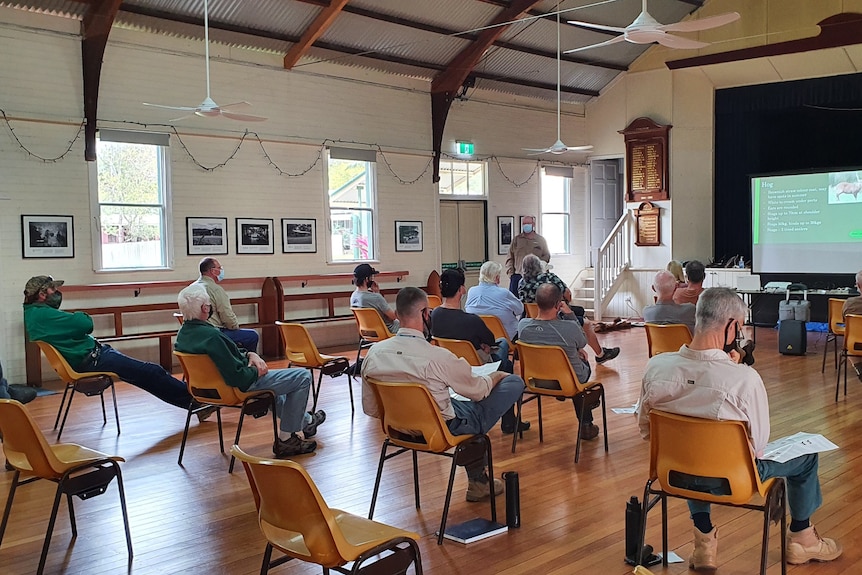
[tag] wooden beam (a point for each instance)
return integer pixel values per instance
(323, 21)
(95, 28)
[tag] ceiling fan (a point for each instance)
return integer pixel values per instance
(558, 147)
(646, 30)
(208, 108)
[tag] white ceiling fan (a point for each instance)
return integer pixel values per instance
(208, 108)
(646, 30)
(558, 147)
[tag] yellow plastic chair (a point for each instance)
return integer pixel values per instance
(531, 309)
(493, 323)
(295, 519)
(836, 328)
(547, 372)
(709, 448)
(461, 348)
(434, 301)
(852, 347)
(371, 328)
(301, 351)
(412, 422)
(89, 383)
(669, 337)
(76, 470)
(207, 386)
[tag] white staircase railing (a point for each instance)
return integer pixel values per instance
(614, 257)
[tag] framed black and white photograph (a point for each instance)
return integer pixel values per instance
(206, 236)
(408, 236)
(505, 233)
(48, 236)
(298, 235)
(254, 236)
(521, 223)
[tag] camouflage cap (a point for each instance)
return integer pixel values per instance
(37, 283)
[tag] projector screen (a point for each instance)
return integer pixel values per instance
(807, 223)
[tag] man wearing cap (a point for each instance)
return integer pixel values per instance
(223, 317)
(70, 334)
(367, 294)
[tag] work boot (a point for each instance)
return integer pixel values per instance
(293, 446)
(807, 545)
(704, 556)
(479, 489)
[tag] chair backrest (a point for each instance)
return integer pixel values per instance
(546, 370)
(496, 326)
(704, 448)
(58, 362)
(298, 345)
(532, 309)
(662, 338)
(461, 348)
(853, 334)
(434, 301)
(370, 324)
(204, 380)
(287, 499)
(836, 315)
(410, 408)
(22, 438)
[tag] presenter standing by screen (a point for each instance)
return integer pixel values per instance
(527, 242)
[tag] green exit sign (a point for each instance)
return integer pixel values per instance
(465, 148)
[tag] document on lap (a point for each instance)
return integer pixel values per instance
(787, 448)
(486, 369)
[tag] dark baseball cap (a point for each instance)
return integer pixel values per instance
(364, 271)
(37, 283)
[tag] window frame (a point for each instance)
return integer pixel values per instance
(370, 159)
(567, 191)
(453, 196)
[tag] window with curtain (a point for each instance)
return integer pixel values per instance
(352, 202)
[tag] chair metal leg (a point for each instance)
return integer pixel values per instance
(273, 405)
(416, 478)
(517, 424)
(238, 433)
(315, 392)
(350, 386)
(8, 509)
(264, 568)
(829, 337)
(72, 523)
(104, 413)
(377, 480)
(220, 430)
(490, 460)
(122, 493)
(604, 417)
(116, 411)
(541, 430)
(580, 417)
(186, 434)
(66, 413)
(449, 497)
(57, 496)
(62, 403)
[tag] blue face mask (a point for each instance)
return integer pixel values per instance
(527, 228)
(221, 274)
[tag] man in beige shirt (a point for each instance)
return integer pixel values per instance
(527, 242)
(223, 316)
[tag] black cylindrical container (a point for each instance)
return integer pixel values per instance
(633, 527)
(513, 499)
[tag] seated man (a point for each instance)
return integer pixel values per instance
(705, 379)
(853, 305)
(246, 371)
(665, 310)
(449, 321)
(409, 358)
(695, 273)
(367, 294)
(70, 334)
(534, 276)
(223, 317)
(554, 326)
(488, 298)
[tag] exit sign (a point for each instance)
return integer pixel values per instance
(465, 148)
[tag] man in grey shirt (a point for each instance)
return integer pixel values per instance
(665, 309)
(366, 296)
(547, 328)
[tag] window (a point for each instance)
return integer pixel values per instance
(555, 209)
(130, 191)
(352, 200)
(462, 178)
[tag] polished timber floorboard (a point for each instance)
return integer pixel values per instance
(199, 519)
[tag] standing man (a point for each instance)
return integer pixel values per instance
(665, 310)
(367, 294)
(222, 316)
(488, 298)
(527, 242)
(853, 305)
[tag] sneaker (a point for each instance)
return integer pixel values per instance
(293, 446)
(589, 431)
(608, 353)
(204, 412)
(510, 429)
(807, 545)
(479, 489)
(310, 428)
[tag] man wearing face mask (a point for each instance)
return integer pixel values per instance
(70, 334)
(527, 242)
(222, 316)
(706, 379)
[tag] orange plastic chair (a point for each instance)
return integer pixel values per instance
(547, 372)
(709, 448)
(89, 383)
(496, 326)
(434, 301)
(836, 328)
(207, 386)
(371, 328)
(669, 337)
(852, 347)
(461, 348)
(295, 519)
(412, 422)
(531, 309)
(301, 351)
(76, 470)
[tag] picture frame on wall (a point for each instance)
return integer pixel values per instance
(505, 233)
(520, 224)
(408, 236)
(254, 236)
(206, 236)
(48, 236)
(298, 235)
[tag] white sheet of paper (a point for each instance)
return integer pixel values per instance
(673, 557)
(632, 409)
(486, 369)
(787, 448)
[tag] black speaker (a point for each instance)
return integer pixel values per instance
(792, 338)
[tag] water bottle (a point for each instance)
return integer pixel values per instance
(513, 499)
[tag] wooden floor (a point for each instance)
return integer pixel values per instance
(199, 519)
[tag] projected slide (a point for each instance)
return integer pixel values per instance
(807, 223)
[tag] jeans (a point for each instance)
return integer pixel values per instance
(246, 338)
(803, 485)
(514, 280)
(502, 355)
(291, 395)
(150, 377)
